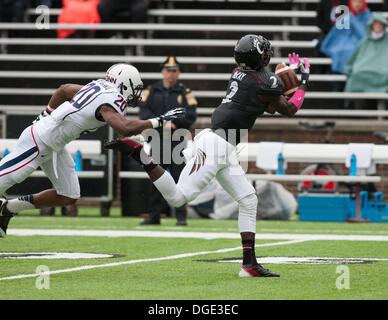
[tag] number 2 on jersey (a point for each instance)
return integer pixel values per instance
(233, 91)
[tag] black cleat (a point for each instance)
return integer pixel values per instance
(256, 270)
(124, 145)
(149, 221)
(181, 223)
(5, 217)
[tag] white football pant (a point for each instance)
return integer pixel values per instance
(213, 158)
(29, 154)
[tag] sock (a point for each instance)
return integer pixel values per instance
(21, 203)
(149, 166)
(136, 155)
(170, 191)
(249, 257)
(142, 158)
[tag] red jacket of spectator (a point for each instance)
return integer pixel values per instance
(77, 11)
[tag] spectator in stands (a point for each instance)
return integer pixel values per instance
(110, 10)
(340, 42)
(327, 13)
(117, 11)
(367, 68)
(157, 99)
(78, 11)
(37, 3)
(12, 10)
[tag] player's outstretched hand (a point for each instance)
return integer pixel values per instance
(294, 60)
(170, 115)
(300, 64)
(305, 70)
(173, 114)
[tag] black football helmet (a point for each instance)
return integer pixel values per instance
(253, 52)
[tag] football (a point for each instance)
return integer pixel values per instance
(289, 78)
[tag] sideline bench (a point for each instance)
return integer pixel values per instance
(306, 153)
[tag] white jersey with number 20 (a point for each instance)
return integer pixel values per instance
(72, 118)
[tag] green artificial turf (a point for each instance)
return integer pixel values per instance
(187, 277)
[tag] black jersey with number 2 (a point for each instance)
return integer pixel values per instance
(244, 101)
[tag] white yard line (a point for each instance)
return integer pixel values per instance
(121, 263)
(335, 231)
(191, 235)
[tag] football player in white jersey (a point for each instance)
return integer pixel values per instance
(72, 110)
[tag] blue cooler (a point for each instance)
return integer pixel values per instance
(326, 207)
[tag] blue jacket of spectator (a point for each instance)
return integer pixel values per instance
(367, 68)
(339, 44)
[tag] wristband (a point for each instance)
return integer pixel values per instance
(49, 109)
(297, 98)
(155, 123)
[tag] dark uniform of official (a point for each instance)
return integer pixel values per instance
(156, 101)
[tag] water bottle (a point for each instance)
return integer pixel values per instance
(280, 169)
(78, 161)
(353, 165)
(5, 152)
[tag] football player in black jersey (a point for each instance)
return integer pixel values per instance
(251, 91)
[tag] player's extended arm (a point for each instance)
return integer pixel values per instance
(290, 107)
(64, 93)
(281, 105)
(130, 127)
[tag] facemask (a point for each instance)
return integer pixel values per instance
(377, 35)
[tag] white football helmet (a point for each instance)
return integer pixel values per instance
(127, 79)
